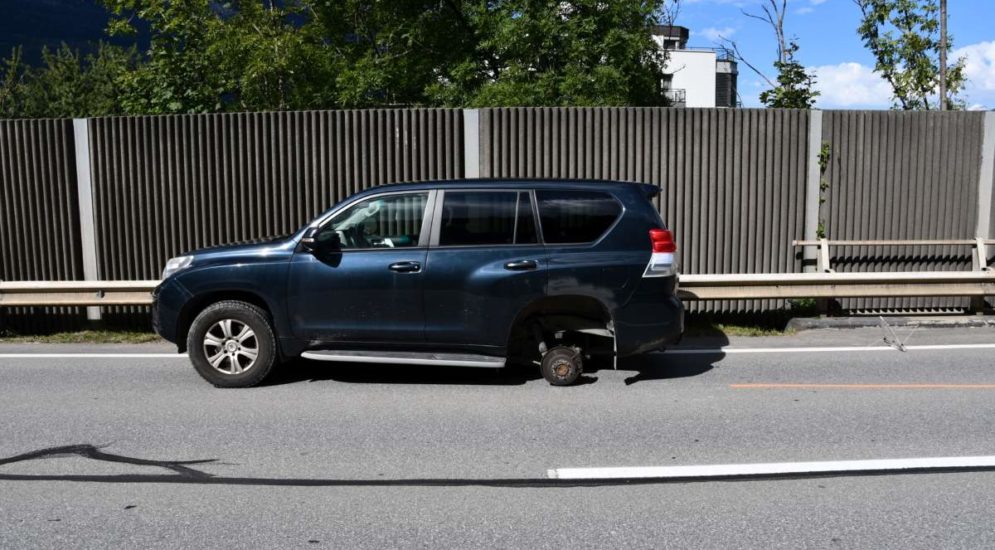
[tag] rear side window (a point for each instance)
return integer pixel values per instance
(486, 218)
(576, 216)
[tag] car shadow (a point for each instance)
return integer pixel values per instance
(303, 370)
(692, 358)
(667, 366)
(650, 366)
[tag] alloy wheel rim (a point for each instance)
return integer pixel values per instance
(231, 347)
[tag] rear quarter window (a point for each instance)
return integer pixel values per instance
(576, 216)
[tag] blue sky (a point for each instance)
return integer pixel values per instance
(826, 32)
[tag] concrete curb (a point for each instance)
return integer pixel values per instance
(960, 321)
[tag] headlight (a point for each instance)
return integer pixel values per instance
(178, 263)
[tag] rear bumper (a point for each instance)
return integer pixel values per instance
(652, 320)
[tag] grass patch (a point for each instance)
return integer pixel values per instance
(770, 323)
(83, 337)
(699, 329)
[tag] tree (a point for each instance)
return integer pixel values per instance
(11, 85)
(549, 52)
(255, 55)
(68, 84)
(269, 57)
(904, 37)
(795, 87)
(393, 53)
(71, 84)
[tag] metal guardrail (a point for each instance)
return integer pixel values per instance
(76, 293)
(823, 245)
(752, 286)
(756, 286)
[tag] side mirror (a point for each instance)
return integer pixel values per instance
(315, 240)
(307, 241)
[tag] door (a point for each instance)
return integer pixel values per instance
(363, 282)
(484, 265)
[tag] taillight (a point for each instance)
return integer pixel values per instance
(662, 259)
(663, 240)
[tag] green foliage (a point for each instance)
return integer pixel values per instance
(795, 85)
(803, 306)
(391, 53)
(547, 52)
(904, 37)
(11, 84)
(67, 84)
(825, 152)
(256, 55)
(177, 75)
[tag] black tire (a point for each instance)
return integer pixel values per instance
(562, 366)
(234, 369)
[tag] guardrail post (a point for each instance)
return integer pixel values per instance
(81, 134)
(812, 190)
(985, 181)
(471, 143)
(812, 257)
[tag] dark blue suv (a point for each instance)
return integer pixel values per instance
(471, 273)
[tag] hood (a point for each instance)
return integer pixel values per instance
(240, 246)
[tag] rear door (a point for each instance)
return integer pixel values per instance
(485, 264)
(586, 257)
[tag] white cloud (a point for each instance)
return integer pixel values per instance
(716, 35)
(979, 66)
(804, 10)
(851, 85)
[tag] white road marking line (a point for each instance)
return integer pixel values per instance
(773, 469)
(702, 351)
(93, 356)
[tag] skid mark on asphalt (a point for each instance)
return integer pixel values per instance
(181, 467)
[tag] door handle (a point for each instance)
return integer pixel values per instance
(521, 265)
(405, 267)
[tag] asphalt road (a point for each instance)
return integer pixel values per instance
(354, 456)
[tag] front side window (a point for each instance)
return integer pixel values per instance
(575, 216)
(486, 218)
(392, 221)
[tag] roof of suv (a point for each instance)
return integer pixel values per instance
(514, 183)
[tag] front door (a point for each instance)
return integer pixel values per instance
(363, 283)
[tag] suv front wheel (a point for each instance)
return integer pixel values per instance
(231, 344)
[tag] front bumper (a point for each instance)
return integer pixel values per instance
(167, 302)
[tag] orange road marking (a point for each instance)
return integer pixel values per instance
(863, 386)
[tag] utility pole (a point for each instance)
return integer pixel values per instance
(943, 55)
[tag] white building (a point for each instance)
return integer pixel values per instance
(696, 77)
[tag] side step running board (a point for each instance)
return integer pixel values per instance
(407, 358)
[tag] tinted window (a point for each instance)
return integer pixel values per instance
(575, 216)
(393, 221)
(478, 218)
